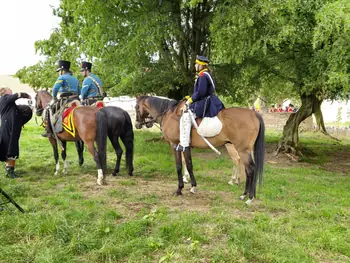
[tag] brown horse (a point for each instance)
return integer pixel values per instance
(242, 133)
(90, 125)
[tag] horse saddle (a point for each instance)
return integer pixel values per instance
(63, 113)
(210, 127)
(95, 102)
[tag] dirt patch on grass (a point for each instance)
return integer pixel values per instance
(150, 194)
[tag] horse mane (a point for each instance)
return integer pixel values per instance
(161, 104)
(44, 91)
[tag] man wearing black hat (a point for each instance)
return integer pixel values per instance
(203, 102)
(65, 83)
(11, 122)
(92, 85)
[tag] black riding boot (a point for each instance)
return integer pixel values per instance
(10, 172)
(48, 132)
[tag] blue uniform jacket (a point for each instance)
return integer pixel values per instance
(205, 102)
(89, 88)
(66, 83)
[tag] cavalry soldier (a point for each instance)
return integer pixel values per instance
(66, 85)
(92, 85)
(203, 102)
(11, 122)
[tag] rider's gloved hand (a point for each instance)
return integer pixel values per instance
(189, 102)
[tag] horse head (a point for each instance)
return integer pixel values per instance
(152, 109)
(142, 113)
(42, 99)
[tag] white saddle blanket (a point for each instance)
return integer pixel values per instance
(210, 127)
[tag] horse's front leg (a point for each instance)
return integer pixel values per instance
(55, 153)
(178, 160)
(189, 165)
(64, 157)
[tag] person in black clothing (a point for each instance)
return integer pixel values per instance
(11, 122)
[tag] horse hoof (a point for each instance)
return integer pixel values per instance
(100, 182)
(230, 183)
(177, 193)
(242, 197)
(131, 175)
(193, 190)
(114, 174)
(249, 201)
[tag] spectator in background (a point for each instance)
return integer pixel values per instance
(272, 109)
(290, 108)
(11, 122)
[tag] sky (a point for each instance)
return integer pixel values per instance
(22, 22)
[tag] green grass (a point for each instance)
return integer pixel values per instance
(302, 213)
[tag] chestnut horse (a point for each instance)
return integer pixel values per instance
(242, 133)
(90, 125)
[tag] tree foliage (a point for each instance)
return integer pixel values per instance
(287, 44)
(136, 46)
(269, 48)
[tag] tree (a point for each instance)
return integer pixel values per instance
(136, 46)
(283, 43)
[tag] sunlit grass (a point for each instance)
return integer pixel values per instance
(301, 215)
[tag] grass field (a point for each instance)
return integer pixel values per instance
(302, 213)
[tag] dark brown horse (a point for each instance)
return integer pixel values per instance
(242, 133)
(90, 125)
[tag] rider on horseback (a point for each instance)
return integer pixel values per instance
(92, 85)
(203, 102)
(66, 85)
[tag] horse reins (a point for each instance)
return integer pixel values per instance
(154, 120)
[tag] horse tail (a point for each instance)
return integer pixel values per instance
(101, 139)
(259, 152)
(128, 140)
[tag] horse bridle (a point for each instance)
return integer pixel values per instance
(38, 111)
(153, 120)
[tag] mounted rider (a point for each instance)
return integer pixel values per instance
(66, 85)
(203, 102)
(92, 85)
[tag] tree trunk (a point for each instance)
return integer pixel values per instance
(289, 143)
(319, 118)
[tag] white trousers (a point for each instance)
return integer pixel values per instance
(185, 129)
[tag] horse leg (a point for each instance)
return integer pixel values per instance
(64, 156)
(128, 141)
(55, 153)
(94, 153)
(236, 160)
(249, 186)
(188, 160)
(186, 174)
(178, 160)
(79, 145)
(118, 151)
